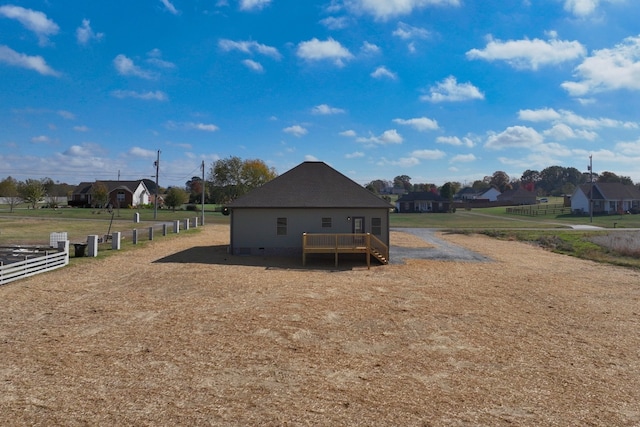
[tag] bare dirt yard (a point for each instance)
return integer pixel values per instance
(179, 333)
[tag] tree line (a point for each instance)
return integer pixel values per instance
(33, 191)
(551, 181)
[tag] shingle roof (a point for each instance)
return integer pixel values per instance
(420, 196)
(611, 191)
(310, 185)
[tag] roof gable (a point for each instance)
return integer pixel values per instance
(611, 191)
(310, 185)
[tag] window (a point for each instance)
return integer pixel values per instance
(376, 226)
(326, 222)
(120, 196)
(281, 229)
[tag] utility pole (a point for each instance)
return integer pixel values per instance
(204, 186)
(591, 189)
(155, 202)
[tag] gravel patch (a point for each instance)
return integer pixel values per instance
(438, 249)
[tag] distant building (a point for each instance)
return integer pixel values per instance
(607, 197)
(122, 194)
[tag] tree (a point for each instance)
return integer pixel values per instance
(232, 177)
(480, 185)
(403, 182)
(175, 197)
(447, 191)
(31, 191)
(378, 186)
(612, 177)
(500, 180)
(99, 194)
(9, 190)
(194, 187)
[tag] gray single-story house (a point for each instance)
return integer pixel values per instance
(310, 198)
(608, 198)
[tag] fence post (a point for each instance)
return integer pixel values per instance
(92, 242)
(115, 240)
(135, 236)
(151, 233)
(195, 222)
(63, 245)
(186, 224)
(176, 226)
(164, 229)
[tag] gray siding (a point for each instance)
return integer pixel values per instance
(254, 231)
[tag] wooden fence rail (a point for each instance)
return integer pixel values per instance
(33, 264)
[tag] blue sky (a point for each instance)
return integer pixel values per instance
(439, 90)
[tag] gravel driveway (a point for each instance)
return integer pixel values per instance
(441, 249)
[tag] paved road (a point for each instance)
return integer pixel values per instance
(441, 249)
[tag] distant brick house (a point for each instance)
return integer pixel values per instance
(518, 197)
(122, 194)
(422, 201)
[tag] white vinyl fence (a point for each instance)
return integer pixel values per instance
(34, 263)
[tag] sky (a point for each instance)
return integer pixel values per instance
(439, 90)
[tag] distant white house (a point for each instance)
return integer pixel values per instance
(491, 194)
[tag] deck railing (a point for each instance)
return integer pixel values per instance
(345, 243)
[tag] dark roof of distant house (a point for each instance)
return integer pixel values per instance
(519, 193)
(130, 186)
(310, 185)
(611, 191)
(421, 195)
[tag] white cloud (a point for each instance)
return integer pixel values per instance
(310, 158)
(450, 90)
(454, 140)
(207, 127)
(428, 154)
(403, 162)
(155, 58)
(408, 32)
(529, 54)
(35, 63)
(539, 115)
(349, 133)
(584, 8)
(32, 20)
(421, 124)
(369, 48)
(334, 23)
(84, 33)
(81, 128)
(385, 9)
(324, 109)
(170, 7)
(608, 69)
(354, 155)
(316, 50)
(40, 139)
(142, 152)
(253, 65)
(249, 47)
(514, 137)
(253, 4)
(147, 96)
(67, 115)
(295, 130)
(570, 118)
(390, 136)
(463, 158)
(383, 72)
(126, 67)
(562, 131)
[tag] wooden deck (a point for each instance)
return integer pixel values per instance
(345, 244)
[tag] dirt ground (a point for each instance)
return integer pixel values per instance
(179, 333)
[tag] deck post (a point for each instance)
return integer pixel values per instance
(368, 251)
(336, 250)
(304, 249)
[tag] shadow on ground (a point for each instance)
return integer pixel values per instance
(217, 255)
